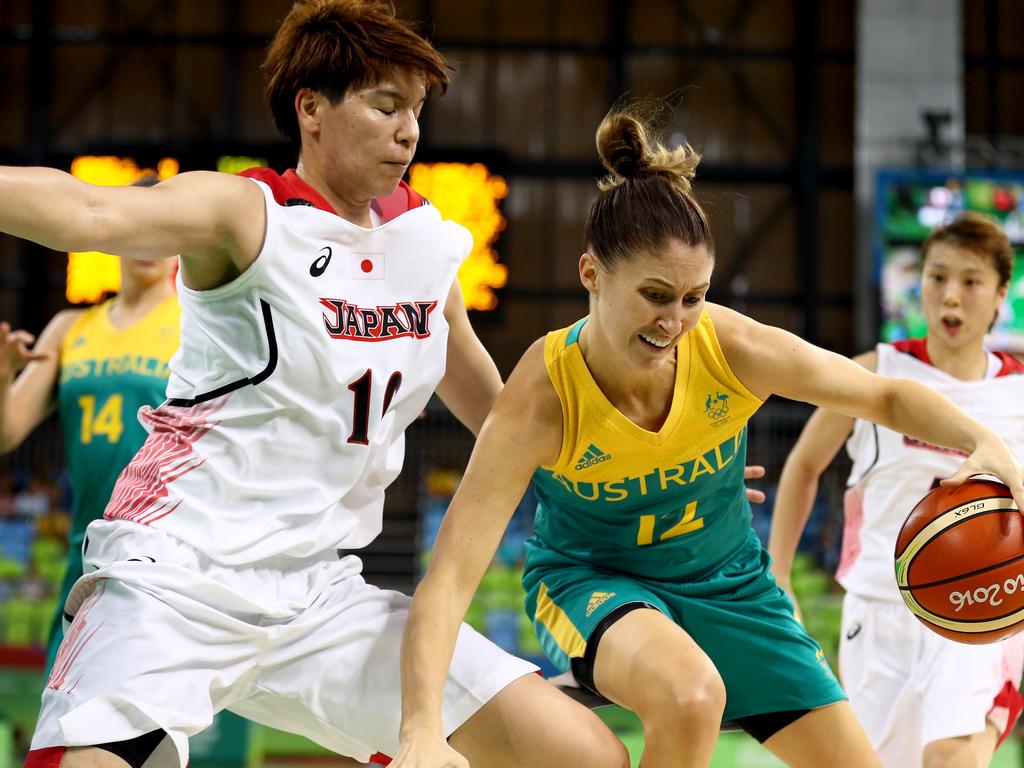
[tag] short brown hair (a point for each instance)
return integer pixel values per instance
(331, 46)
(979, 235)
(647, 197)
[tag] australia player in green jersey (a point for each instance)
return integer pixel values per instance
(96, 367)
(643, 577)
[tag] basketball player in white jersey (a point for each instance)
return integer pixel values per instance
(923, 700)
(320, 312)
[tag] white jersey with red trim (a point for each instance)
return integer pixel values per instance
(891, 472)
(289, 397)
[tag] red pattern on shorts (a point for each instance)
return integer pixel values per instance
(74, 641)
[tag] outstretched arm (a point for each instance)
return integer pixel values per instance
(28, 398)
(772, 361)
(822, 437)
(522, 432)
(214, 220)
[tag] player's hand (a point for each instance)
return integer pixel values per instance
(427, 750)
(993, 456)
(14, 351)
(754, 472)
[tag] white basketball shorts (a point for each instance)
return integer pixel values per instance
(162, 638)
(910, 687)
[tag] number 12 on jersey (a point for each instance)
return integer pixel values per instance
(689, 523)
(361, 388)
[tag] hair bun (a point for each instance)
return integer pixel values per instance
(622, 145)
(628, 151)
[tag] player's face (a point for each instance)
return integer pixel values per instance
(369, 137)
(960, 294)
(645, 304)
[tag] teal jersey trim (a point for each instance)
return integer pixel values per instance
(574, 332)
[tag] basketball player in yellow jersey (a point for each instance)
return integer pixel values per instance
(96, 367)
(643, 576)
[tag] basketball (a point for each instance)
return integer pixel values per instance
(960, 562)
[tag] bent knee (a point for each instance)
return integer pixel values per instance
(696, 699)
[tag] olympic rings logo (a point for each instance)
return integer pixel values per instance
(717, 413)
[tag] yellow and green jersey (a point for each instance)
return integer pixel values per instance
(669, 504)
(106, 375)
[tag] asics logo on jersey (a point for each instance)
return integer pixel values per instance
(380, 323)
(593, 455)
(597, 600)
(317, 267)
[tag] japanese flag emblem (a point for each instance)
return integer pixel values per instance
(368, 266)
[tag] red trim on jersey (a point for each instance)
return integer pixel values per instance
(917, 347)
(47, 757)
(1010, 698)
(288, 186)
(1011, 365)
(380, 759)
(167, 454)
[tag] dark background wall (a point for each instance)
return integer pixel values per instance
(764, 91)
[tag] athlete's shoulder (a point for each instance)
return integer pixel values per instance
(555, 344)
(288, 188)
(60, 325)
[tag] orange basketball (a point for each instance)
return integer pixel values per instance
(960, 562)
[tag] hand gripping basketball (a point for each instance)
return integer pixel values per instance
(992, 456)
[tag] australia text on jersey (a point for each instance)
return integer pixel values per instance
(659, 478)
(113, 366)
(379, 323)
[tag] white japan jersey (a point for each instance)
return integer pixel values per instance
(294, 383)
(891, 472)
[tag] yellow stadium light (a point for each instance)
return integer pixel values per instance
(93, 274)
(469, 194)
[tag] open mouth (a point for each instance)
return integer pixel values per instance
(654, 343)
(952, 325)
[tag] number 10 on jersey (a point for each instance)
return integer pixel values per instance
(362, 388)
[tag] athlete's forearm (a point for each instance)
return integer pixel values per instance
(794, 499)
(924, 414)
(427, 647)
(46, 206)
(820, 440)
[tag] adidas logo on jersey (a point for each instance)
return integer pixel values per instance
(381, 323)
(597, 600)
(593, 455)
